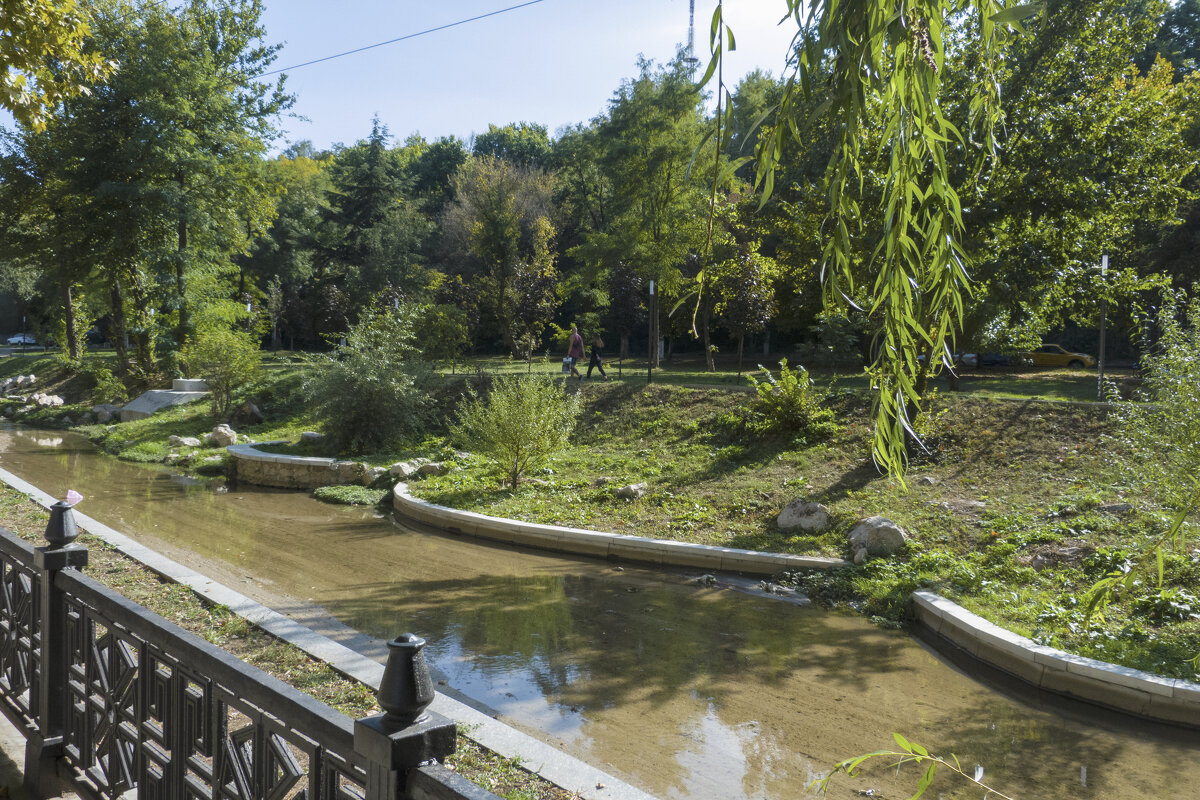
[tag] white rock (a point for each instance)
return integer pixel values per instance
(402, 470)
(311, 436)
(803, 516)
(632, 491)
(223, 435)
(879, 536)
(373, 474)
(183, 441)
(433, 468)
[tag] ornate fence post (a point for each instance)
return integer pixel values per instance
(50, 682)
(405, 736)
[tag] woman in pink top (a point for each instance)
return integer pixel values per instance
(575, 351)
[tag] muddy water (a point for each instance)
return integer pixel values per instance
(685, 691)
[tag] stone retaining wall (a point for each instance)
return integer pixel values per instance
(290, 472)
(594, 543)
(1133, 691)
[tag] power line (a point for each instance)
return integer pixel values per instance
(402, 38)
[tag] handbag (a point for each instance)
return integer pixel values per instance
(567, 365)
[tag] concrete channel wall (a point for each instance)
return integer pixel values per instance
(577, 541)
(290, 472)
(1133, 691)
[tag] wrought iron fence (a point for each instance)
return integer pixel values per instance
(117, 701)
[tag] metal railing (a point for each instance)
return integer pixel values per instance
(115, 701)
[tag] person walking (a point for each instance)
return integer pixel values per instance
(575, 351)
(597, 362)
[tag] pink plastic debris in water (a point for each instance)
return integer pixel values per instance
(73, 497)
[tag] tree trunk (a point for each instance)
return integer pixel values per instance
(624, 345)
(741, 344)
(72, 343)
(709, 362)
(180, 278)
(120, 333)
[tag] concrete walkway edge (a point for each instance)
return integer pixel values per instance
(559, 768)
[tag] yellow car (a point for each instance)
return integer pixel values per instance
(1055, 355)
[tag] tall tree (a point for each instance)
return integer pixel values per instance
(500, 215)
(377, 230)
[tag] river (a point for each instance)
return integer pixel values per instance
(686, 691)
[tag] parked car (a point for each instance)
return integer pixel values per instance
(1055, 355)
(21, 339)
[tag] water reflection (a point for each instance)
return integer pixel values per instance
(689, 692)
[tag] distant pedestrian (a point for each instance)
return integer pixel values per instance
(575, 351)
(597, 362)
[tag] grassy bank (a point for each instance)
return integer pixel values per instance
(226, 630)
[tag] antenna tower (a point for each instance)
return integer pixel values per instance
(691, 44)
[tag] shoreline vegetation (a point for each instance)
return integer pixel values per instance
(1016, 509)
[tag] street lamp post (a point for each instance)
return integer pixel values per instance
(651, 344)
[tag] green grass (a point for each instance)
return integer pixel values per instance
(349, 495)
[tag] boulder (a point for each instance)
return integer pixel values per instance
(309, 437)
(43, 400)
(373, 474)
(349, 471)
(878, 536)
(1116, 509)
(432, 468)
(402, 470)
(67, 422)
(633, 491)
(87, 418)
(223, 436)
(927, 480)
(183, 441)
(248, 414)
(800, 515)
(105, 412)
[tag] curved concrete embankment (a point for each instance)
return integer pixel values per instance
(594, 543)
(1133, 691)
(290, 472)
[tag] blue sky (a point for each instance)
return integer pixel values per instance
(556, 62)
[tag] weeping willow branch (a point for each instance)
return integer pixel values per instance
(885, 59)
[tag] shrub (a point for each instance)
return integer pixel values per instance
(1162, 431)
(350, 495)
(104, 386)
(228, 360)
(519, 426)
(788, 406)
(372, 391)
(144, 452)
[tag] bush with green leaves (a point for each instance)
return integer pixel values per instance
(519, 426)
(104, 386)
(227, 360)
(1162, 429)
(788, 406)
(372, 391)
